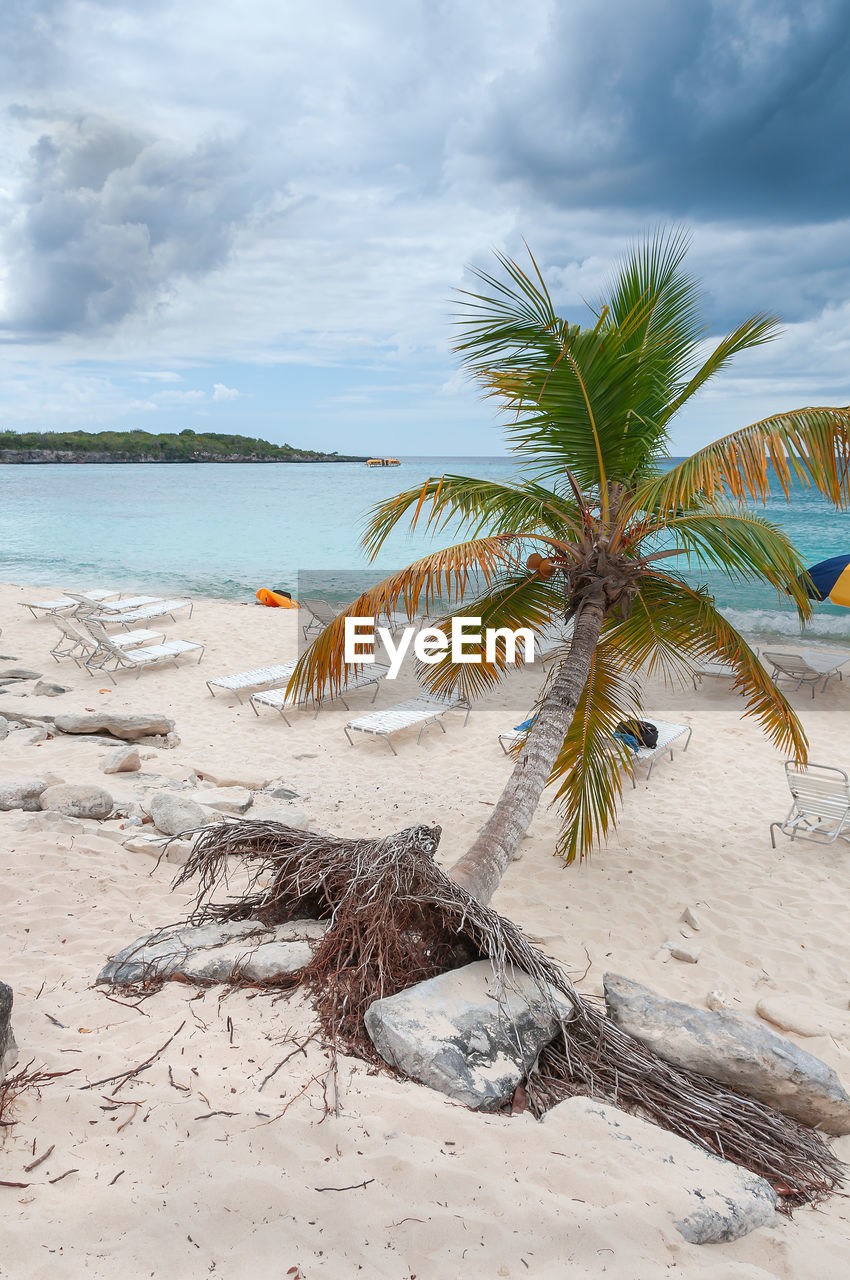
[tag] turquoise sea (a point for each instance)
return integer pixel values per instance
(224, 530)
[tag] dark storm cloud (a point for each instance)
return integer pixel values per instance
(709, 109)
(107, 219)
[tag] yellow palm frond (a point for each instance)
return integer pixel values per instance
(443, 575)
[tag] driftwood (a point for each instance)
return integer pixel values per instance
(395, 918)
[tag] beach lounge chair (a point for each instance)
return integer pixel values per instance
(668, 733)
(820, 807)
(814, 668)
(322, 614)
(371, 673)
(109, 656)
(712, 667)
(427, 708)
(66, 603)
(76, 644)
(259, 678)
(149, 613)
(122, 605)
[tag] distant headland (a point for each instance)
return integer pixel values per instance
(141, 446)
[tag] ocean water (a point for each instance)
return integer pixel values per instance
(225, 530)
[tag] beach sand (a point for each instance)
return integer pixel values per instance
(215, 1170)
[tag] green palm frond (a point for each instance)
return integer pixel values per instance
(811, 446)
(673, 627)
(591, 763)
(478, 507)
(743, 545)
(519, 600)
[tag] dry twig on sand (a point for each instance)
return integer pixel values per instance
(395, 918)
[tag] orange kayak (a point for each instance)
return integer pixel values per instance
(274, 600)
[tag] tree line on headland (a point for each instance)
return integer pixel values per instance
(143, 446)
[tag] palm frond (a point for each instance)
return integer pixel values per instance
(519, 600)
(590, 765)
(441, 576)
(810, 446)
(478, 506)
(673, 627)
(743, 545)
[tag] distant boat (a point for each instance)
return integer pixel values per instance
(382, 462)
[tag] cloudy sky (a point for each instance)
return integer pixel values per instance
(252, 216)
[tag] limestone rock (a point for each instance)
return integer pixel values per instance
(708, 1200)
(18, 673)
(685, 953)
(243, 950)
(153, 846)
(30, 737)
(282, 793)
(23, 794)
(129, 727)
(4, 728)
(803, 1017)
(77, 800)
(734, 1050)
(8, 1048)
(690, 917)
(124, 760)
(235, 800)
(453, 1034)
(237, 777)
(174, 814)
(48, 689)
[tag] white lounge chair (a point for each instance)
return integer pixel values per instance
(109, 656)
(714, 667)
(427, 708)
(122, 605)
(66, 603)
(259, 678)
(820, 807)
(668, 733)
(149, 613)
(76, 644)
(371, 673)
(816, 667)
(322, 614)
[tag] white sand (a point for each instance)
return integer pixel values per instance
(159, 1191)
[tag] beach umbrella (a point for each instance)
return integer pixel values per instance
(829, 580)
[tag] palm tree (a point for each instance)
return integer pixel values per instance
(597, 528)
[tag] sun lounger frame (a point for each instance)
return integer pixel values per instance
(820, 807)
(260, 678)
(431, 707)
(372, 674)
(805, 669)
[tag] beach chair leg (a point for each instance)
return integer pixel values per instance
(348, 735)
(773, 827)
(286, 719)
(388, 742)
(377, 687)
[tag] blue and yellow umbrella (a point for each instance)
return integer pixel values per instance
(829, 580)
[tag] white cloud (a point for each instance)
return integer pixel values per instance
(221, 392)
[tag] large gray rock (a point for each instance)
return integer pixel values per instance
(120, 726)
(240, 951)
(77, 800)
(454, 1034)
(8, 1048)
(123, 760)
(173, 813)
(23, 794)
(733, 1050)
(708, 1200)
(18, 673)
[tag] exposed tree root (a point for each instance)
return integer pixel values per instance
(395, 918)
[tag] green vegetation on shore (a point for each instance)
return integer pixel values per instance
(142, 446)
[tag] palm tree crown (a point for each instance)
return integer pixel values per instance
(598, 525)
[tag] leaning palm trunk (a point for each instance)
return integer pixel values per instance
(483, 865)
